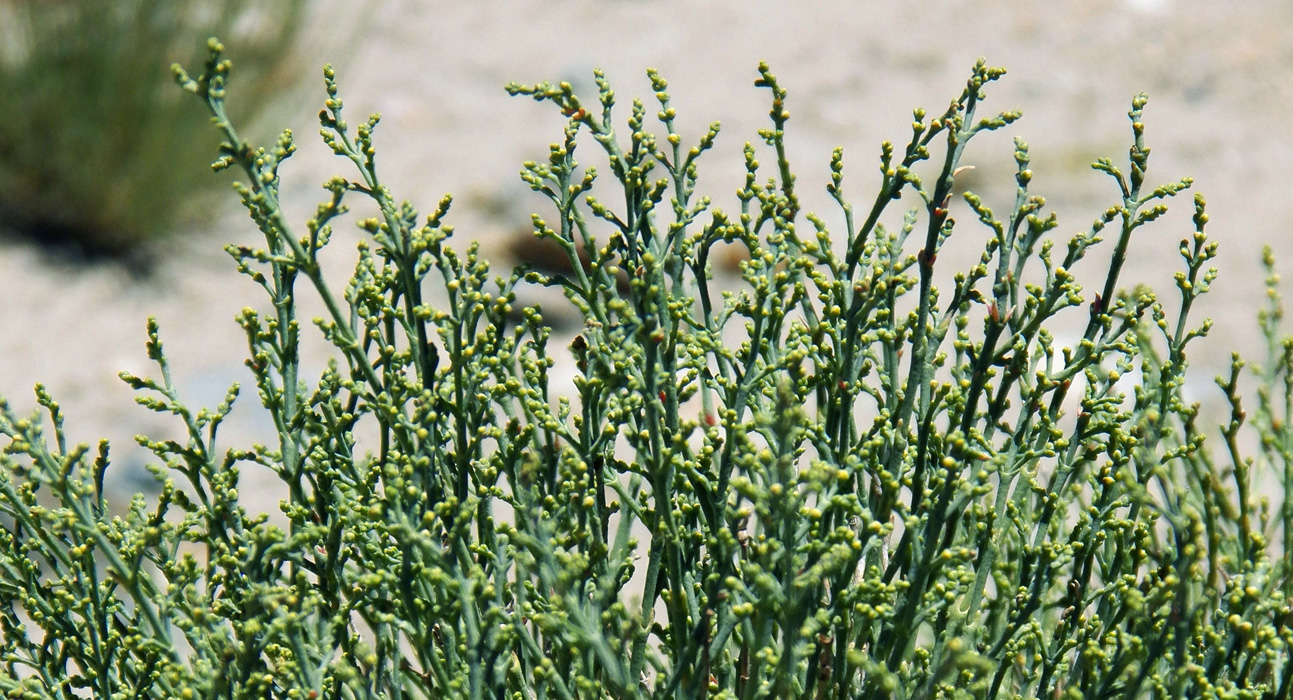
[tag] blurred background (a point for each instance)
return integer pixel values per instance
(108, 213)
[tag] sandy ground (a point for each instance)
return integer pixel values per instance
(1220, 76)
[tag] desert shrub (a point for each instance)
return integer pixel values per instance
(96, 153)
(835, 481)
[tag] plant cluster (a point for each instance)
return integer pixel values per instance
(96, 154)
(836, 481)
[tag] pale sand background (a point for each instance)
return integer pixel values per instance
(1220, 76)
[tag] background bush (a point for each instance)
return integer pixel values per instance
(97, 154)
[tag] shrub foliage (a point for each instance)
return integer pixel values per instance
(834, 481)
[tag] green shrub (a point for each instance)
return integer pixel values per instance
(96, 154)
(836, 481)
